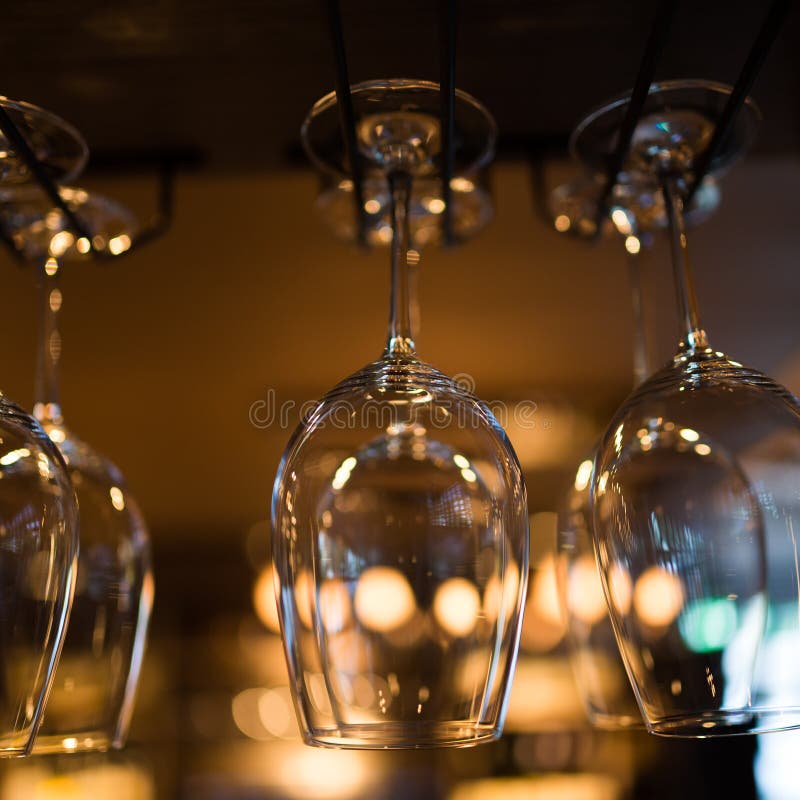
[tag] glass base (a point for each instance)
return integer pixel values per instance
(58, 147)
(735, 722)
(84, 742)
(399, 115)
(403, 735)
(678, 110)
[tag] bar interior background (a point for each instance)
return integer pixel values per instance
(192, 112)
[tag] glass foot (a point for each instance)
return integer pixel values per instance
(678, 120)
(396, 118)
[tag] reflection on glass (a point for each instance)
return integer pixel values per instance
(658, 597)
(389, 544)
(456, 607)
(384, 599)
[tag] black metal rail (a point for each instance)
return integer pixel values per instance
(24, 151)
(770, 28)
(659, 32)
(347, 119)
(448, 15)
(161, 221)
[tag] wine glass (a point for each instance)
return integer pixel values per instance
(92, 698)
(38, 559)
(686, 509)
(635, 213)
(399, 512)
(591, 645)
(38, 508)
(58, 147)
(471, 210)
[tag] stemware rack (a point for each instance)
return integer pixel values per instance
(655, 44)
(158, 225)
(447, 30)
(447, 82)
(656, 41)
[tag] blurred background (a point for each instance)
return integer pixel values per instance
(188, 361)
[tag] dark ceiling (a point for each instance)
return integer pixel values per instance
(231, 81)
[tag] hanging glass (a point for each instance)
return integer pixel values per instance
(92, 699)
(400, 525)
(635, 214)
(38, 509)
(687, 506)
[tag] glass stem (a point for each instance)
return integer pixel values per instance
(641, 351)
(692, 334)
(47, 407)
(400, 340)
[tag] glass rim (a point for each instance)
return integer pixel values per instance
(330, 100)
(661, 88)
(57, 122)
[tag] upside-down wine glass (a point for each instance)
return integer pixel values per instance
(688, 504)
(38, 509)
(400, 523)
(591, 646)
(91, 702)
(635, 213)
